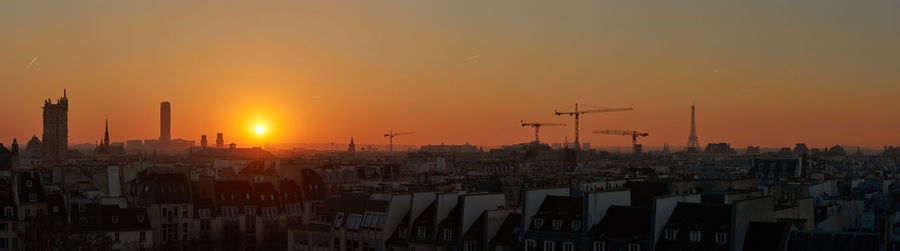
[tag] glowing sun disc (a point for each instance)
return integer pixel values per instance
(260, 129)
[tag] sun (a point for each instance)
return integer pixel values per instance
(260, 129)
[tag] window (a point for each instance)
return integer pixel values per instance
(338, 219)
(185, 212)
(4, 227)
(82, 222)
(695, 236)
(140, 218)
(117, 236)
(530, 245)
(204, 213)
(4, 243)
(671, 234)
(538, 223)
(32, 197)
(402, 233)
(548, 246)
(55, 209)
(568, 246)
(27, 212)
(576, 226)
(8, 212)
(143, 236)
(28, 183)
(82, 207)
(15, 243)
(471, 245)
(420, 232)
(634, 247)
(721, 238)
(599, 246)
(557, 224)
(448, 234)
(115, 220)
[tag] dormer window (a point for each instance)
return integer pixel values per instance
(32, 197)
(402, 233)
(82, 222)
(695, 236)
(671, 234)
(82, 207)
(420, 231)
(262, 197)
(338, 219)
(115, 219)
(140, 218)
(557, 224)
(538, 223)
(248, 195)
(8, 211)
(576, 226)
(721, 238)
(28, 183)
(448, 234)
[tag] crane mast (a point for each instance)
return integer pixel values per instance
(390, 135)
(634, 135)
(537, 128)
(577, 113)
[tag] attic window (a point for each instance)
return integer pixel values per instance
(695, 236)
(557, 224)
(115, 219)
(576, 225)
(721, 238)
(8, 212)
(271, 196)
(82, 222)
(28, 183)
(81, 207)
(140, 218)
(671, 234)
(538, 223)
(248, 195)
(448, 234)
(32, 197)
(262, 197)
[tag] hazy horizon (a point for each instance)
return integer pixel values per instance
(768, 73)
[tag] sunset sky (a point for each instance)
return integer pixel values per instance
(769, 73)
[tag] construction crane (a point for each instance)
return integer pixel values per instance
(391, 134)
(577, 113)
(635, 148)
(537, 128)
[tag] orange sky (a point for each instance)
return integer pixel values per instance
(768, 73)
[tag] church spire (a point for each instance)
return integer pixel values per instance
(106, 134)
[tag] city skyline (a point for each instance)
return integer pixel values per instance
(312, 72)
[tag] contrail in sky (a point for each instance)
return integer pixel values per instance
(29, 64)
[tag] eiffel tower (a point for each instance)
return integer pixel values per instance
(693, 145)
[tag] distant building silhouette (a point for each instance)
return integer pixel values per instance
(752, 149)
(165, 121)
(203, 141)
(693, 145)
(55, 144)
(103, 148)
(220, 140)
(719, 148)
(352, 147)
(801, 148)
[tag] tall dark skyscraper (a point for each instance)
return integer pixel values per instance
(165, 121)
(56, 130)
(220, 140)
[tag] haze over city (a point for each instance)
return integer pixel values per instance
(767, 73)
